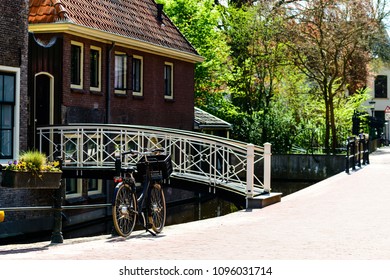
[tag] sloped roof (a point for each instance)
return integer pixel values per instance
(134, 19)
(207, 120)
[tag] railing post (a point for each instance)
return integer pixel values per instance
(58, 196)
(347, 158)
(353, 152)
(267, 167)
(250, 168)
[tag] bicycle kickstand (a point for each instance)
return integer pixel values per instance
(145, 226)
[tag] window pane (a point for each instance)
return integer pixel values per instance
(94, 68)
(71, 149)
(120, 72)
(6, 117)
(93, 185)
(1, 88)
(71, 185)
(75, 65)
(136, 74)
(7, 98)
(9, 88)
(381, 86)
(6, 144)
(167, 80)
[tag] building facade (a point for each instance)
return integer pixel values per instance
(124, 63)
(68, 61)
(13, 78)
(380, 102)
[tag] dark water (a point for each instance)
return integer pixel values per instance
(289, 187)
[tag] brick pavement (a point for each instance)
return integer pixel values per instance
(346, 217)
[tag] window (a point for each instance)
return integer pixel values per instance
(73, 187)
(381, 86)
(95, 68)
(95, 186)
(7, 104)
(168, 80)
(77, 62)
(137, 75)
(83, 149)
(120, 72)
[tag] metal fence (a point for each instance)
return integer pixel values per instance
(357, 152)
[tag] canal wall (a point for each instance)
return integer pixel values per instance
(306, 167)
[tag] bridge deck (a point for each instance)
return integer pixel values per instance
(228, 186)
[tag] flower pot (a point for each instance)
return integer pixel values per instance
(30, 180)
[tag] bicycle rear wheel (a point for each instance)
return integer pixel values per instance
(157, 208)
(124, 210)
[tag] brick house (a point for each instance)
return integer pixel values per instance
(111, 62)
(116, 61)
(121, 62)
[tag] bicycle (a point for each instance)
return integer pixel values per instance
(153, 168)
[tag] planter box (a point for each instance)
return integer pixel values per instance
(28, 180)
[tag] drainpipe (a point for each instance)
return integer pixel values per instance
(108, 100)
(108, 110)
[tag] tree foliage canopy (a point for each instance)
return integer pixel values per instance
(287, 72)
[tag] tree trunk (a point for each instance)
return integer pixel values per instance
(332, 125)
(327, 127)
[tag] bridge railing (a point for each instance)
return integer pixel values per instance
(358, 151)
(209, 158)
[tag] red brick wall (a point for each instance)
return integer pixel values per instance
(150, 109)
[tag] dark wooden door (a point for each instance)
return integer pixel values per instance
(42, 100)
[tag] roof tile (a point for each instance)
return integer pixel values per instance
(136, 19)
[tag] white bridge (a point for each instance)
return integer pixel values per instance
(219, 162)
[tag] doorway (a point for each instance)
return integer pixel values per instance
(43, 106)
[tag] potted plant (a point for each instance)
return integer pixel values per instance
(32, 170)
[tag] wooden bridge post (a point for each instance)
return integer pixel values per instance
(250, 169)
(267, 167)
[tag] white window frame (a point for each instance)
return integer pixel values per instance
(81, 45)
(16, 71)
(170, 97)
(121, 91)
(138, 93)
(79, 188)
(99, 188)
(99, 88)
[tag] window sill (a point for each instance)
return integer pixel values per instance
(96, 92)
(119, 94)
(81, 91)
(138, 96)
(169, 100)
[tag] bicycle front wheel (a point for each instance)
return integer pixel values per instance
(124, 210)
(157, 208)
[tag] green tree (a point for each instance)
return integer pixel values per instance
(199, 22)
(331, 43)
(257, 57)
